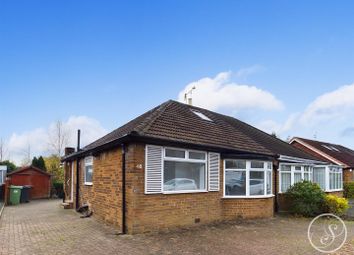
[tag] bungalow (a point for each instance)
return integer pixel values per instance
(334, 153)
(179, 165)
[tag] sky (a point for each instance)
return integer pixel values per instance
(283, 66)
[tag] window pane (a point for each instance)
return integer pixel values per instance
(235, 164)
(1, 179)
(285, 181)
(88, 172)
(297, 168)
(285, 168)
(175, 153)
(269, 182)
(235, 183)
(89, 160)
(269, 165)
(319, 176)
(256, 183)
(257, 164)
(196, 155)
(307, 176)
(297, 177)
(331, 180)
(184, 176)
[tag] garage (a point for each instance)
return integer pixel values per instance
(39, 180)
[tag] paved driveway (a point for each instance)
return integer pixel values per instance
(42, 227)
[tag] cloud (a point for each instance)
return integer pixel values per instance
(220, 93)
(36, 142)
(245, 72)
(324, 118)
(270, 126)
(349, 131)
(334, 105)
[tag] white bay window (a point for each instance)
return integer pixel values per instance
(247, 178)
(329, 178)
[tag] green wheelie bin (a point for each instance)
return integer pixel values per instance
(15, 194)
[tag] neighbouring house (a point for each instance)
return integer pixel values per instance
(179, 165)
(334, 153)
(3, 170)
(39, 180)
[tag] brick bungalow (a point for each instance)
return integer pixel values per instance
(334, 153)
(179, 165)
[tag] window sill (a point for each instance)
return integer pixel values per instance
(88, 183)
(248, 197)
(334, 190)
(183, 192)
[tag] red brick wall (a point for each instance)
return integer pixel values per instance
(347, 175)
(247, 208)
(104, 196)
(157, 212)
(160, 212)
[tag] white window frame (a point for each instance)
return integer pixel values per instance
(185, 159)
(248, 170)
(292, 173)
(310, 171)
(3, 176)
(338, 171)
(88, 161)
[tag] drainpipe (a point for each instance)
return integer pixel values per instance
(78, 171)
(276, 207)
(124, 229)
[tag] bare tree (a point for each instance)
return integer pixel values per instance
(58, 138)
(27, 160)
(3, 150)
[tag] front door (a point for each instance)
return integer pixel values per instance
(70, 183)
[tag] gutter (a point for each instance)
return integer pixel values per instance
(300, 160)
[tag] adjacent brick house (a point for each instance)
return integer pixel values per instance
(179, 165)
(334, 153)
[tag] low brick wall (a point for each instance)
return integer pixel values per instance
(248, 208)
(284, 202)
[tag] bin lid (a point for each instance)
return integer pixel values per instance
(16, 187)
(27, 186)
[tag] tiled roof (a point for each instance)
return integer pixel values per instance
(176, 122)
(338, 152)
(30, 167)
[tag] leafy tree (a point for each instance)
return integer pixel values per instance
(34, 161)
(55, 168)
(39, 162)
(10, 165)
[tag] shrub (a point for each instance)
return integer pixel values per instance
(336, 205)
(306, 199)
(348, 190)
(58, 189)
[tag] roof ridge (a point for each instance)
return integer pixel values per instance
(244, 123)
(317, 141)
(146, 124)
